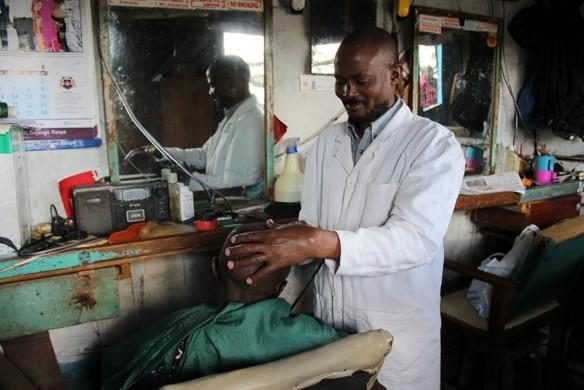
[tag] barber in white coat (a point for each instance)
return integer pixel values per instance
(378, 195)
(233, 156)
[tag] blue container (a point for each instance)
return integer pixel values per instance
(545, 163)
(473, 153)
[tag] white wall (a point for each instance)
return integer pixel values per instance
(46, 168)
(305, 112)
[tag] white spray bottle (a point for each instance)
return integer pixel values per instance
(288, 187)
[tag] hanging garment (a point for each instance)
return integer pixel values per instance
(558, 62)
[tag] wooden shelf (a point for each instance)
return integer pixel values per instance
(542, 213)
(472, 202)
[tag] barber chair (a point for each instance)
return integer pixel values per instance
(350, 363)
(521, 307)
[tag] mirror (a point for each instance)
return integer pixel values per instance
(160, 57)
(455, 77)
(330, 22)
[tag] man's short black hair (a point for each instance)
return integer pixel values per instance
(374, 36)
(233, 65)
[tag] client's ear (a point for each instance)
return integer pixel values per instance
(215, 267)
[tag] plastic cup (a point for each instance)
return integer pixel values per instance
(545, 163)
(543, 176)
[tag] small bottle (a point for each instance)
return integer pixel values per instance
(164, 172)
(186, 203)
(288, 187)
(173, 196)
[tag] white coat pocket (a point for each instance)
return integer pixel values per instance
(405, 362)
(378, 203)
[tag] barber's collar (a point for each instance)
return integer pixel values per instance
(380, 123)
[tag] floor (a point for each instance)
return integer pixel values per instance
(529, 370)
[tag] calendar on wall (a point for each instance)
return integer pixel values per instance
(48, 91)
(48, 73)
(27, 90)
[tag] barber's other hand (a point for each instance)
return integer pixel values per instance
(279, 247)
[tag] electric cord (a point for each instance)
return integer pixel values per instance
(46, 245)
(42, 253)
(129, 160)
(8, 242)
(62, 231)
(59, 225)
(305, 288)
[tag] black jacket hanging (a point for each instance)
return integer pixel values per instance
(552, 33)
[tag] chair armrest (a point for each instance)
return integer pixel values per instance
(476, 273)
(502, 296)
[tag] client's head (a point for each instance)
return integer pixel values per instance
(232, 281)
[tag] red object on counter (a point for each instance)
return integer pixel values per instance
(65, 185)
(129, 234)
(206, 225)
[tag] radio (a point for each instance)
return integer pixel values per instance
(103, 208)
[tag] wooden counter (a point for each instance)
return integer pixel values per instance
(82, 285)
(118, 255)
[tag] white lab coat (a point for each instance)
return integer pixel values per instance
(390, 211)
(234, 155)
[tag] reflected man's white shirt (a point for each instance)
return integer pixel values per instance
(234, 155)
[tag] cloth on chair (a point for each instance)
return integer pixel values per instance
(200, 341)
(479, 293)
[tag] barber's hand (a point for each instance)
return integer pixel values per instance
(279, 247)
(149, 149)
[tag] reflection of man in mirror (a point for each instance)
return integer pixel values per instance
(427, 87)
(233, 156)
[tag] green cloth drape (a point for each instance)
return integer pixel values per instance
(215, 340)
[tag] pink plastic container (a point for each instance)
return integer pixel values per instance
(544, 177)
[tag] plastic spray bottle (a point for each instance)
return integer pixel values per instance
(288, 187)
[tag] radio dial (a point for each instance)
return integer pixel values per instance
(160, 192)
